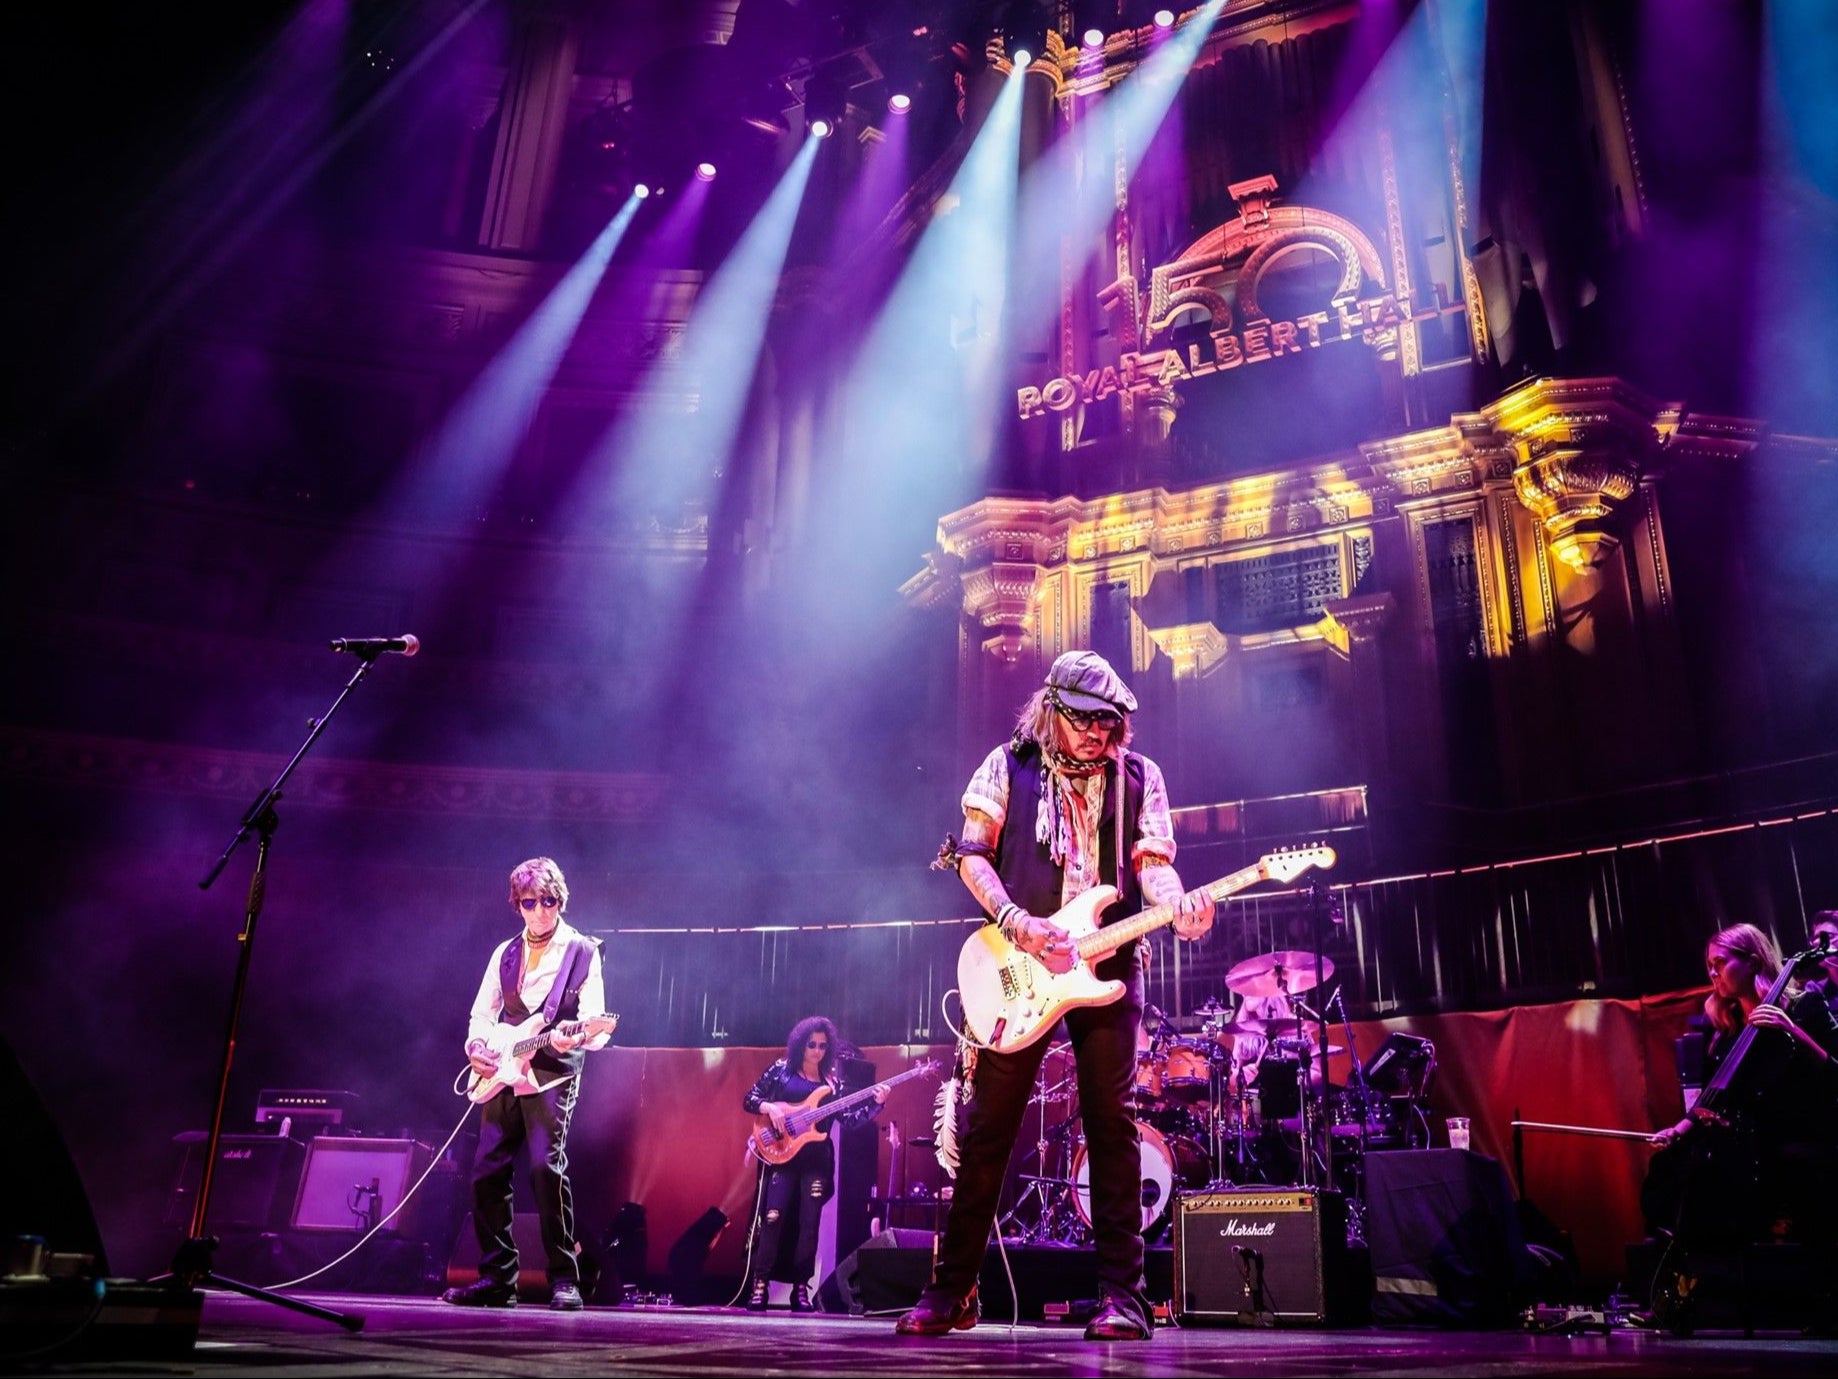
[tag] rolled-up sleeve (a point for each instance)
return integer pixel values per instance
(1155, 824)
(987, 792)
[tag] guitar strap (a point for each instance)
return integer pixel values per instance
(1123, 797)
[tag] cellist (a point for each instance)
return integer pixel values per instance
(1768, 1117)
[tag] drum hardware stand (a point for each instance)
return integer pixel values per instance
(1049, 1188)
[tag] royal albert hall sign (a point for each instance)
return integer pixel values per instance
(1221, 279)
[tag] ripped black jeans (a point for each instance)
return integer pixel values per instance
(793, 1195)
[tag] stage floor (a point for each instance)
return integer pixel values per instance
(419, 1336)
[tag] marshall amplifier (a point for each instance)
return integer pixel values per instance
(1265, 1257)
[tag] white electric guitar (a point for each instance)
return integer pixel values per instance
(1010, 999)
(515, 1045)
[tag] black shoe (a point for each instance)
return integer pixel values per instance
(484, 1292)
(801, 1298)
(935, 1318)
(756, 1296)
(1114, 1323)
(565, 1296)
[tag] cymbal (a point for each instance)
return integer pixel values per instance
(1275, 974)
(1210, 1006)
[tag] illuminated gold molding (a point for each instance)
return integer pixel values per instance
(92, 761)
(1582, 446)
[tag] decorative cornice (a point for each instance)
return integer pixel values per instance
(91, 761)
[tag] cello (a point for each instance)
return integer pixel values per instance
(1720, 1146)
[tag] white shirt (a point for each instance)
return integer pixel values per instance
(533, 989)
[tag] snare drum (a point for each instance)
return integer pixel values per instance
(1169, 1163)
(1187, 1070)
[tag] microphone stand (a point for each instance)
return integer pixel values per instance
(1317, 906)
(192, 1264)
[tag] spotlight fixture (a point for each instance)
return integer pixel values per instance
(705, 172)
(1094, 38)
(826, 101)
(1164, 19)
(1024, 31)
(641, 191)
(899, 102)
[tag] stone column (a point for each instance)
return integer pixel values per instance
(532, 120)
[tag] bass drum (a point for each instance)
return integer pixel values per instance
(1169, 1163)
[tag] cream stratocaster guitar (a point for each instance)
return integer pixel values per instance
(516, 1044)
(801, 1120)
(1011, 999)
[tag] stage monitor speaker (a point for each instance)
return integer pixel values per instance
(885, 1273)
(252, 1187)
(532, 1258)
(351, 1184)
(1263, 1257)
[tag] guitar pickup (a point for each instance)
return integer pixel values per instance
(1010, 987)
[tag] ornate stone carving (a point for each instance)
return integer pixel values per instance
(1574, 491)
(1000, 596)
(1345, 623)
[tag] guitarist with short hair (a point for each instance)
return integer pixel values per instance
(1061, 808)
(798, 1188)
(555, 969)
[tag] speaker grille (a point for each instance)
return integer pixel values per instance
(1261, 1257)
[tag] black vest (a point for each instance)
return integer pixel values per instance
(1027, 869)
(562, 1003)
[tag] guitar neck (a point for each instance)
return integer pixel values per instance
(536, 1041)
(1103, 942)
(831, 1108)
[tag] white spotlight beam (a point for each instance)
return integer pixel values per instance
(457, 469)
(927, 382)
(664, 458)
(1057, 204)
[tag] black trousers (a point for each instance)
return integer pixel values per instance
(1104, 1050)
(794, 1193)
(540, 1123)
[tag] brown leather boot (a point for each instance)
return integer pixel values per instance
(935, 1316)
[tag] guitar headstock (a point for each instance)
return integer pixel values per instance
(1286, 864)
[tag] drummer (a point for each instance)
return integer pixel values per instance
(1261, 1021)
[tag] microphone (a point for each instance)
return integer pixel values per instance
(376, 646)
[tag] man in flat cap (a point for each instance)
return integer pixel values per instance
(1062, 807)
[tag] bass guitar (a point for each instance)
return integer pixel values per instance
(1010, 999)
(774, 1147)
(515, 1045)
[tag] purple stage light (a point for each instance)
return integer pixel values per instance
(641, 191)
(822, 128)
(1094, 38)
(705, 172)
(1164, 19)
(899, 102)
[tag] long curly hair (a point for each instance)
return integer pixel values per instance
(1747, 942)
(803, 1030)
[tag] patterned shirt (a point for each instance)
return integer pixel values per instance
(987, 793)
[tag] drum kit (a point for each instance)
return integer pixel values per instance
(1239, 1097)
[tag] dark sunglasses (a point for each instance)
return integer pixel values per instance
(1081, 720)
(817, 1044)
(548, 902)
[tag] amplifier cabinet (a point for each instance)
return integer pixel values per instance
(251, 1187)
(1265, 1257)
(349, 1182)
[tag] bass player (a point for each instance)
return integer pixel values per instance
(795, 1191)
(1062, 807)
(555, 969)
